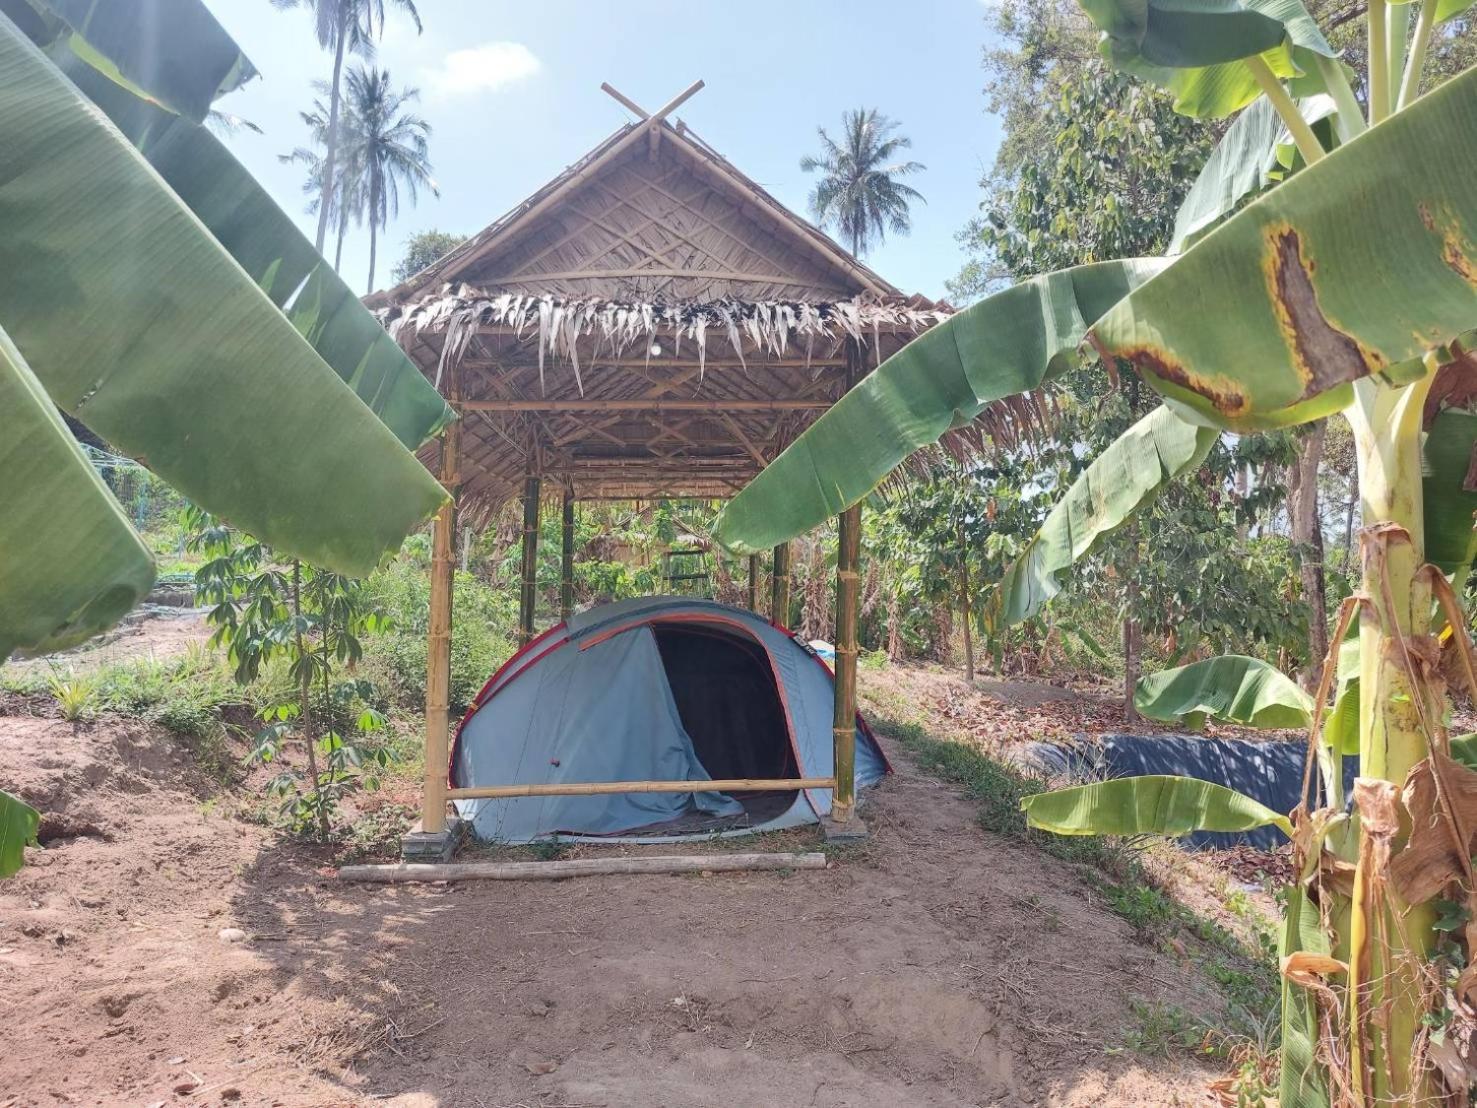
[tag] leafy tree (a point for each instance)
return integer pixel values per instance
(345, 196)
(860, 192)
(423, 248)
(311, 621)
(385, 150)
(342, 26)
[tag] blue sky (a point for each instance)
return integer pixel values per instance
(513, 92)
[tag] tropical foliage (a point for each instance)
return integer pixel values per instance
(225, 387)
(1347, 288)
(861, 192)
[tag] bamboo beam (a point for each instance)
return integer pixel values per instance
(753, 582)
(566, 563)
(654, 271)
(712, 405)
(779, 585)
(604, 788)
(580, 867)
(529, 597)
(438, 646)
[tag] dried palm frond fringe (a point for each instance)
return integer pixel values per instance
(772, 326)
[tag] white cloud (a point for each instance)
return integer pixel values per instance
(485, 68)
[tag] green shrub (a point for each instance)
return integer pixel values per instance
(482, 618)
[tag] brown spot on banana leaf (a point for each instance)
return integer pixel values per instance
(1453, 254)
(1325, 356)
(1454, 386)
(1157, 363)
(1430, 860)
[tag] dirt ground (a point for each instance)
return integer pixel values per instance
(934, 966)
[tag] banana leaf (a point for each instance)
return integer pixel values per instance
(1006, 344)
(18, 825)
(1231, 689)
(268, 245)
(171, 51)
(1198, 49)
(1245, 161)
(70, 563)
(1127, 475)
(1358, 264)
(1154, 805)
(1302, 1081)
(1448, 504)
(140, 325)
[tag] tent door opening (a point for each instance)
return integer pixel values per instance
(730, 706)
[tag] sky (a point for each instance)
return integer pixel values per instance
(512, 92)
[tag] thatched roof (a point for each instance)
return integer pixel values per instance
(650, 323)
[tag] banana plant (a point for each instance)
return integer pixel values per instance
(1348, 286)
(149, 289)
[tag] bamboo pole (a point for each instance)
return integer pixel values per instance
(779, 585)
(753, 582)
(607, 788)
(658, 406)
(438, 646)
(843, 724)
(848, 554)
(529, 597)
(566, 564)
(580, 867)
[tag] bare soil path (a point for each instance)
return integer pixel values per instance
(935, 966)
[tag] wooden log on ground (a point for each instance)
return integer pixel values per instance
(579, 867)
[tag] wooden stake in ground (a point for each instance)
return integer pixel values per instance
(964, 604)
(529, 597)
(779, 586)
(438, 646)
(753, 582)
(848, 556)
(566, 563)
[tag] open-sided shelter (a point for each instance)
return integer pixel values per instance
(651, 323)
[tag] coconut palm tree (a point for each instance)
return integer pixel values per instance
(342, 26)
(344, 199)
(385, 149)
(860, 192)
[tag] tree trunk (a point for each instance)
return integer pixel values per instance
(343, 229)
(373, 236)
(964, 606)
(1307, 536)
(305, 709)
(1131, 637)
(330, 155)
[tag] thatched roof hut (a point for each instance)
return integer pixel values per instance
(650, 323)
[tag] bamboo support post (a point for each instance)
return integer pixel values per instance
(843, 722)
(566, 563)
(605, 788)
(438, 648)
(753, 582)
(581, 867)
(528, 599)
(779, 585)
(848, 554)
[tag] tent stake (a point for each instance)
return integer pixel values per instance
(566, 564)
(438, 648)
(529, 598)
(581, 867)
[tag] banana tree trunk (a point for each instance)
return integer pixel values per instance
(1387, 941)
(1131, 638)
(964, 610)
(1307, 536)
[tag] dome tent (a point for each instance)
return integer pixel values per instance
(658, 688)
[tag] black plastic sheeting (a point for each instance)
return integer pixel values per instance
(1268, 772)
